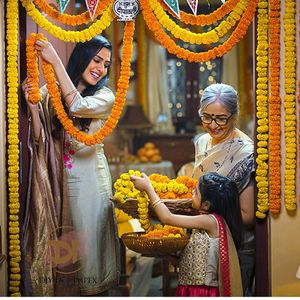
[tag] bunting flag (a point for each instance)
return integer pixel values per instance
(91, 6)
(174, 6)
(193, 5)
(62, 4)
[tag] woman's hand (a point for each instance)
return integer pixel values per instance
(141, 183)
(47, 52)
(26, 87)
(34, 109)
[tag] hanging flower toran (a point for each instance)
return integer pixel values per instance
(54, 93)
(262, 110)
(72, 20)
(207, 19)
(207, 37)
(69, 35)
(167, 42)
(12, 18)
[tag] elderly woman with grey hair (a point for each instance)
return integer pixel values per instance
(230, 152)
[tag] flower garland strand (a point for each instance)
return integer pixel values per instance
(274, 108)
(208, 37)
(33, 73)
(178, 188)
(12, 18)
(116, 111)
(262, 110)
(202, 20)
(69, 35)
(67, 19)
(125, 189)
(218, 51)
(290, 106)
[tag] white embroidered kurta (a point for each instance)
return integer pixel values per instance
(89, 188)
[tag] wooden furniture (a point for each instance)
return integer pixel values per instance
(170, 274)
(127, 268)
(177, 148)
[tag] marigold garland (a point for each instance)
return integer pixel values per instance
(262, 110)
(290, 106)
(274, 108)
(202, 20)
(208, 37)
(162, 185)
(125, 189)
(72, 20)
(116, 111)
(12, 19)
(217, 51)
(69, 35)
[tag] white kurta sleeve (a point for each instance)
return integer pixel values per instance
(97, 106)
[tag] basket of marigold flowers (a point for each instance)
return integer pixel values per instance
(161, 241)
(176, 194)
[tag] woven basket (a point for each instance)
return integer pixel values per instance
(153, 246)
(179, 206)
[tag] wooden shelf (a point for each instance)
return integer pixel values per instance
(177, 148)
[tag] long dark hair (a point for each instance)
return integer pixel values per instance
(79, 59)
(223, 196)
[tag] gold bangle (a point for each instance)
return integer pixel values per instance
(156, 203)
(157, 200)
(70, 93)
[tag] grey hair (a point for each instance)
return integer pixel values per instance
(223, 93)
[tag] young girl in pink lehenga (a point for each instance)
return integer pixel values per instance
(209, 263)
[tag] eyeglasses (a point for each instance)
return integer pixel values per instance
(207, 119)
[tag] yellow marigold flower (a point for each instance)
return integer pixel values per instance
(125, 176)
(260, 215)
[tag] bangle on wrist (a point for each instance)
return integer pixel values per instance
(157, 202)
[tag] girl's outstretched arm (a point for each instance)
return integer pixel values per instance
(165, 216)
